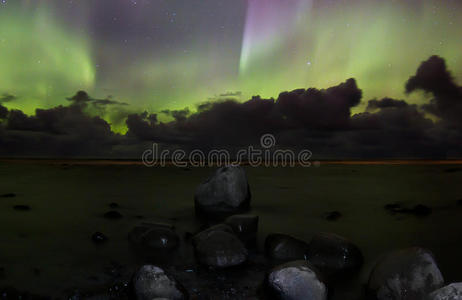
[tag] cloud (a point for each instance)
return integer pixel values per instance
(3, 112)
(6, 97)
(316, 119)
(433, 77)
(59, 131)
(385, 103)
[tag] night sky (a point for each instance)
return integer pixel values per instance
(166, 57)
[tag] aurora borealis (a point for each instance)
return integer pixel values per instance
(156, 64)
(170, 54)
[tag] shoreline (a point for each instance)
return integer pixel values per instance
(98, 161)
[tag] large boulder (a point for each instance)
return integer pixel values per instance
(333, 255)
(245, 227)
(151, 282)
(296, 280)
(449, 292)
(220, 249)
(226, 192)
(284, 247)
(408, 274)
(154, 236)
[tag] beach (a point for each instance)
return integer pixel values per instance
(48, 250)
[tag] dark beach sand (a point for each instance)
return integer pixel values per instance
(48, 249)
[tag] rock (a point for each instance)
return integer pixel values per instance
(422, 210)
(245, 227)
(8, 195)
(114, 205)
(449, 292)
(226, 192)
(203, 234)
(296, 280)
(113, 215)
(333, 216)
(284, 247)
(333, 255)
(98, 238)
(154, 236)
(452, 170)
(220, 249)
(408, 274)
(151, 282)
(418, 210)
(21, 207)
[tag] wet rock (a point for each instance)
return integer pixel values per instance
(285, 247)
(151, 282)
(226, 192)
(113, 215)
(8, 195)
(154, 236)
(449, 292)
(203, 234)
(422, 210)
(21, 207)
(296, 280)
(418, 210)
(452, 170)
(98, 238)
(333, 255)
(220, 249)
(245, 227)
(114, 205)
(333, 216)
(408, 274)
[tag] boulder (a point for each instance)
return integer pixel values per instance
(245, 227)
(154, 236)
(285, 247)
(220, 249)
(449, 292)
(226, 192)
(333, 255)
(296, 280)
(151, 282)
(203, 234)
(333, 215)
(408, 274)
(98, 238)
(113, 215)
(8, 195)
(21, 207)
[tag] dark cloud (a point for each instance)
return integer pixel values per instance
(385, 103)
(3, 112)
(316, 119)
(433, 77)
(231, 94)
(82, 97)
(6, 97)
(228, 122)
(60, 131)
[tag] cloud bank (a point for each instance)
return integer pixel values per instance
(316, 119)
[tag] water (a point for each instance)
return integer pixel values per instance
(48, 250)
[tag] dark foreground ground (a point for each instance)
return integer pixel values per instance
(48, 250)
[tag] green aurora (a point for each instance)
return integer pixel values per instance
(44, 58)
